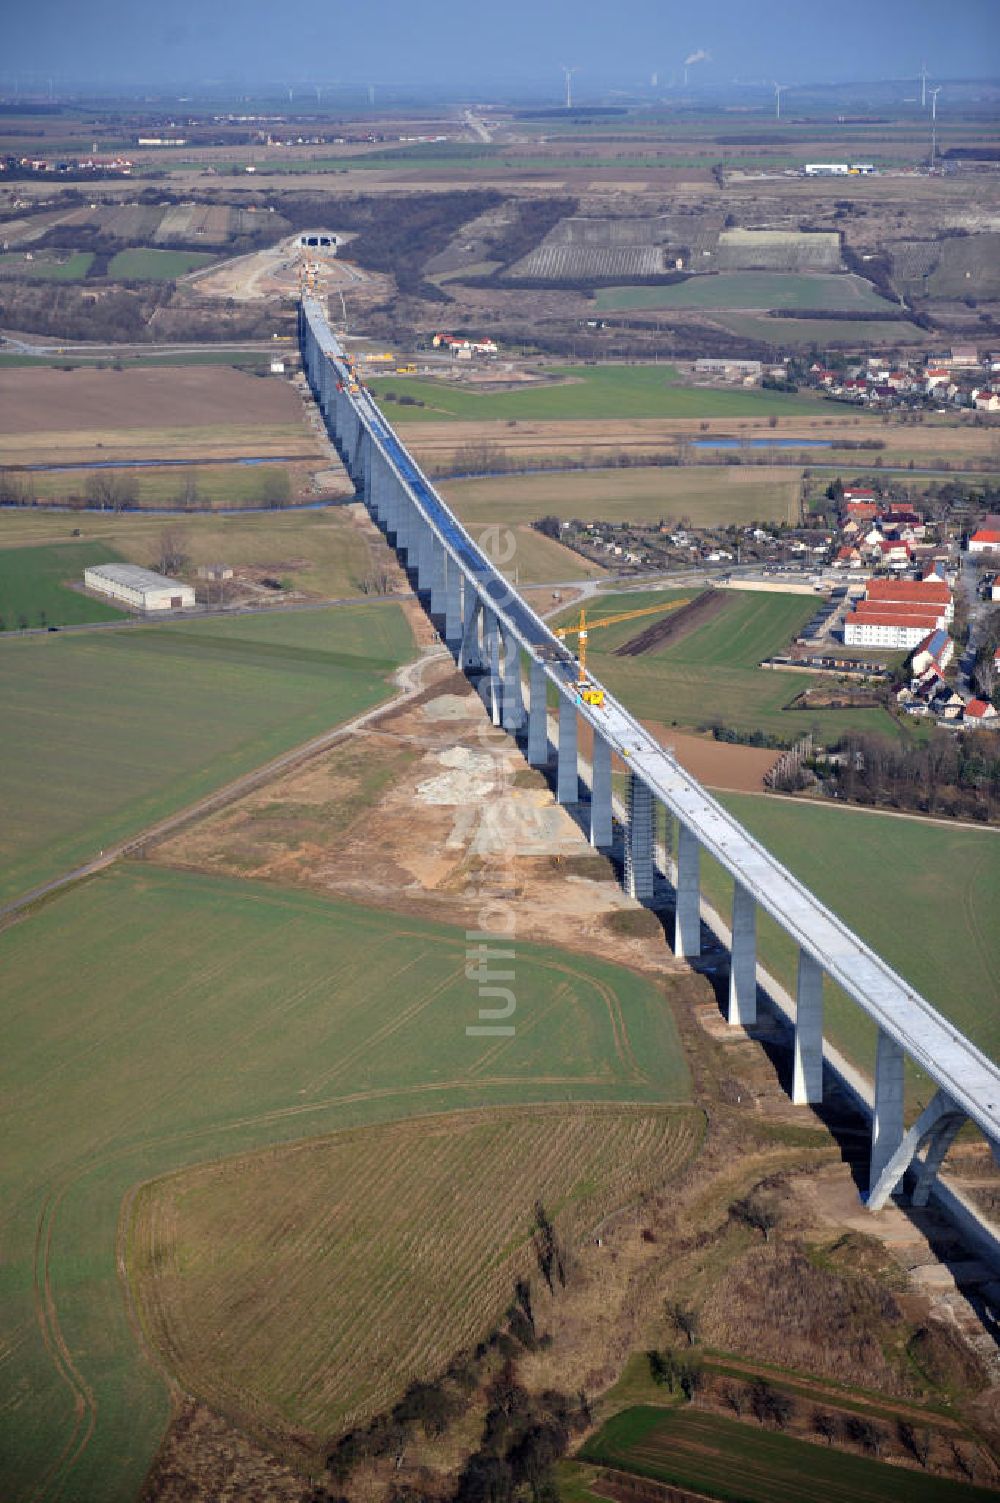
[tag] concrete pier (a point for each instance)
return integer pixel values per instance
(437, 578)
(491, 649)
(639, 841)
(538, 727)
(471, 655)
(568, 777)
(687, 918)
(513, 704)
(743, 958)
(601, 826)
(888, 1123)
(453, 604)
(807, 1069)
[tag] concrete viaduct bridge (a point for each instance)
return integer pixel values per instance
(488, 627)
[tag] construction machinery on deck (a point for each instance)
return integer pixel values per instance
(589, 693)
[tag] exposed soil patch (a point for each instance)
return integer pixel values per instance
(680, 623)
(717, 764)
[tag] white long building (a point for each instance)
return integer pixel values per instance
(138, 587)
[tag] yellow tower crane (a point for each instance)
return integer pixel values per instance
(589, 692)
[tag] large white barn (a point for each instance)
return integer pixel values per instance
(138, 587)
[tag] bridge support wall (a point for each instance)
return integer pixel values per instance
(687, 917)
(600, 793)
(807, 1066)
(743, 958)
(568, 774)
(513, 704)
(538, 719)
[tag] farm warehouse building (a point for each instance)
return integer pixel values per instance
(138, 587)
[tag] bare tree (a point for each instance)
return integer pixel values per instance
(825, 1425)
(172, 554)
(685, 1319)
(757, 1211)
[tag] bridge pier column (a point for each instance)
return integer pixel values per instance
(567, 775)
(687, 913)
(367, 452)
(513, 703)
(471, 653)
(600, 793)
(437, 576)
(888, 1124)
(390, 490)
(807, 1069)
(491, 649)
(639, 840)
(743, 958)
(538, 728)
(425, 555)
(453, 604)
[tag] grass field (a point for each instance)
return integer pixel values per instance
(361, 1205)
(628, 391)
(142, 264)
(712, 676)
(157, 1019)
(935, 921)
(803, 333)
(709, 495)
(46, 267)
(322, 552)
(34, 589)
(528, 557)
(751, 289)
(216, 485)
(741, 1463)
(150, 719)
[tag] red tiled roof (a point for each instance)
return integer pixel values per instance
(977, 708)
(862, 617)
(912, 591)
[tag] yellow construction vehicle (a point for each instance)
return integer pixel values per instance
(588, 692)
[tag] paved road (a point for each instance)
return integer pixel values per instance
(409, 681)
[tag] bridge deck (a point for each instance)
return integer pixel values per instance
(948, 1057)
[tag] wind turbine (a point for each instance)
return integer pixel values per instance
(568, 74)
(934, 95)
(923, 86)
(779, 89)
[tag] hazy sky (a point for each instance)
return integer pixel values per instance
(453, 42)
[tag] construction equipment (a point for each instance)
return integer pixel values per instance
(588, 692)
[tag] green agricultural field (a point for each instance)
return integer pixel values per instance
(143, 264)
(157, 1019)
(601, 393)
(150, 719)
(46, 266)
(742, 1463)
(803, 333)
(923, 895)
(708, 495)
(34, 585)
(711, 676)
(752, 289)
